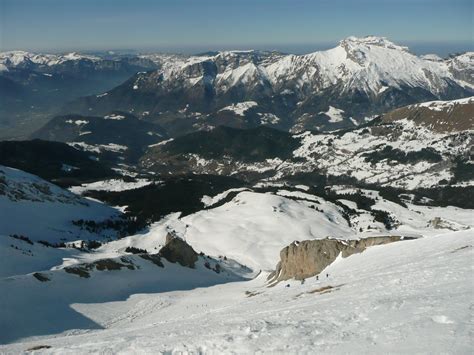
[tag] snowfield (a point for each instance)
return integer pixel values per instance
(110, 185)
(408, 296)
(32, 207)
(334, 114)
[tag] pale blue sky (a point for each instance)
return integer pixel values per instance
(199, 25)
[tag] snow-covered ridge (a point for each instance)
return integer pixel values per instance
(442, 105)
(16, 58)
(35, 208)
(110, 185)
(439, 116)
(371, 41)
(365, 64)
(16, 185)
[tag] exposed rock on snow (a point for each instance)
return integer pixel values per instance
(110, 185)
(83, 270)
(177, 250)
(308, 258)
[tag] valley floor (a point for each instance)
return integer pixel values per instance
(414, 296)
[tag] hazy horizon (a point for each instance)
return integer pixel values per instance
(186, 26)
(442, 49)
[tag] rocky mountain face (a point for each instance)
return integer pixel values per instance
(177, 250)
(301, 260)
(340, 87)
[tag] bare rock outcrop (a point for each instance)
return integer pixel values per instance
(177, 250)
(308, 258)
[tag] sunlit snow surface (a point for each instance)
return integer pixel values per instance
(35, 208)
(406, 297)
(410, 296)
(110, 185)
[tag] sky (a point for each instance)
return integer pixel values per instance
(190, 26)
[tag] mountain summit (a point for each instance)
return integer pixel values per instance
(359, 78)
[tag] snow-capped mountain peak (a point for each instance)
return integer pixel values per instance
(367, 41)
(13, 59)
(375, 72)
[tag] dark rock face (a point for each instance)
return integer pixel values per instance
(41, 277)
(84, 269)
(308, 258)
(177, 250)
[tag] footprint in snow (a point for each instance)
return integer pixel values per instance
(442, 319)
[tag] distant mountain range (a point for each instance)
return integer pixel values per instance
(338, 88)
(33, 87)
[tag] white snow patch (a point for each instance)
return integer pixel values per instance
(334, 114)
(110, 185)
(240, 108)
(77, 122)
(114, 117)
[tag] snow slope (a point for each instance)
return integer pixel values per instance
(240, 108)
(31, 307)
(251, 228)
(378, 301)
(110, 185)
(35, 208)
(406, 297)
